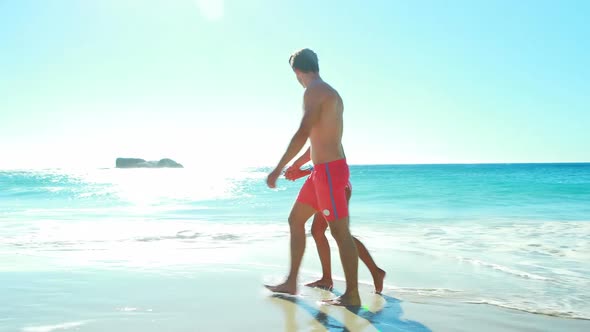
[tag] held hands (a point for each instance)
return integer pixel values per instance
(292, 173)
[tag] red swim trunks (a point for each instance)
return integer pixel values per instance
(325, 189)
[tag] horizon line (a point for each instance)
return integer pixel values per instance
(351, 164)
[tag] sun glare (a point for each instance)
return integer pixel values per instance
(211, 9)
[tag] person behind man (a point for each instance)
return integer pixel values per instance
(318, 231)
(324, 189)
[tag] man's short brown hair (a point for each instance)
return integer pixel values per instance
(305, 60)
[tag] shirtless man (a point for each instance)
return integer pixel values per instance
(324, 190)
(318, 230)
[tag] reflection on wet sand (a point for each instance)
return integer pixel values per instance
(383, 314)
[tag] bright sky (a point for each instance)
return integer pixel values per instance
(84, 82)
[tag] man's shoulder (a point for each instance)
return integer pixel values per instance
(321, 91)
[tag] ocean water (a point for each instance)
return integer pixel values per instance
(515, 236)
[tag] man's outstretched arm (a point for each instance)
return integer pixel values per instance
(304, 159)
(297, 142)
(310, 118)
(294, 171)
(311, 115)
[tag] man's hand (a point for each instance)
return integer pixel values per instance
(294, 172)
(271, 180)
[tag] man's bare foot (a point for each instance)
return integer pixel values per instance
(283, 288)
(378, 281)
(345, 300)
(322, 283)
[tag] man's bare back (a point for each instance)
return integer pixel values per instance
(326, 134)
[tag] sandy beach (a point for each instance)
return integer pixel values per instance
(227, 294)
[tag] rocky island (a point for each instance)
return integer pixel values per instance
(141, 163)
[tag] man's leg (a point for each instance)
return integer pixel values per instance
(349, 257)
(299, 215)
(377, 273)
(330, 186)
(318, 231)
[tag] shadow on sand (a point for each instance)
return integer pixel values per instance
(388, 318)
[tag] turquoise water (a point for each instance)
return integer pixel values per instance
(383, 194)
(508, 235)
